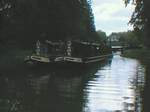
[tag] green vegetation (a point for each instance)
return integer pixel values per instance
(141, 19)
(25, 22)
(130, 39)
(141, 54)
(102, 36)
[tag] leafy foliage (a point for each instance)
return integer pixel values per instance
(141, 18)
(102, 35)
(129, 38)
(25, 21)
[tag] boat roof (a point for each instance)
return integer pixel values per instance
(81, 42)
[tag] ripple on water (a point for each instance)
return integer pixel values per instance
(113, 88)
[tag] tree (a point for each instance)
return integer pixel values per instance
(141, 18)
(25, 21)
(129, 39)
(102, 35)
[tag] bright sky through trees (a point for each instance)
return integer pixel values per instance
(112, 15)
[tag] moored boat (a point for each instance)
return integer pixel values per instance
(75, 52)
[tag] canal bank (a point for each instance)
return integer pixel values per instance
(143, 55)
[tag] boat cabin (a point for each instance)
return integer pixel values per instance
(66, 51)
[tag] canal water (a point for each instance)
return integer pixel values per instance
(111, 86)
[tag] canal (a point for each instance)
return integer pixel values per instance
(111, 86)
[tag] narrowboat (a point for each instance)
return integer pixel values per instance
(74, 52)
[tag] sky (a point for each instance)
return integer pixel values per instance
(112, 15)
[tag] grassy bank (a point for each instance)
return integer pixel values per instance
(141, 54)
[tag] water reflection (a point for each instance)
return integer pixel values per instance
(104, 87)
(115, 87)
